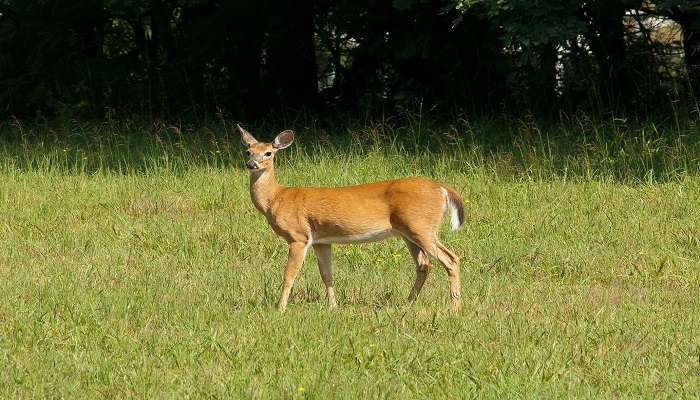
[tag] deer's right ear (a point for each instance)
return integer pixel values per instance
(246, 137)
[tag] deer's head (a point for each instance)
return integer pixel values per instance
(261, 155)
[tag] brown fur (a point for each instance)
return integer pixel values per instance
(412, 208)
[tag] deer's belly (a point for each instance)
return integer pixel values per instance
(365, 237)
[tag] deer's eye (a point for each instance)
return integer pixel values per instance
(247, 152)
(268, 154)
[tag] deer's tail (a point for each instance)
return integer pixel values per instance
(455, 204)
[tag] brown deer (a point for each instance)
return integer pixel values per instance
(412, 208)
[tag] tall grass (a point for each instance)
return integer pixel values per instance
(580, 148)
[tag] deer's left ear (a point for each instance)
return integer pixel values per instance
(283, 140)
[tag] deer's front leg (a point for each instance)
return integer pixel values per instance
(297, 253)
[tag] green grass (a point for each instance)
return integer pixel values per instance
(136, 266)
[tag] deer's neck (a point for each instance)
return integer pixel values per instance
(263, 189)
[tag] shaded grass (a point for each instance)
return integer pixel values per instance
(578, 148)
(150, 274)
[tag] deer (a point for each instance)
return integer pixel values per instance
(412, 208)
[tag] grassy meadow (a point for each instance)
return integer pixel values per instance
(133, 264)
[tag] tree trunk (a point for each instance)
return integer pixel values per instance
(691, 48)
(243, 55)
(161, 32)
(606, 37)
(291, 61)
(364, 82)
(149, 59)
(161, 53)
(544, 78)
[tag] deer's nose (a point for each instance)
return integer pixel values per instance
(251, 165)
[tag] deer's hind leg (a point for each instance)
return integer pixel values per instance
(429, 243)
(323, 255)
(451, 263)
(423, 268)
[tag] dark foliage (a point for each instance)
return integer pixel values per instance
(164, 58)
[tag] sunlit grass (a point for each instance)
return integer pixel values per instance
(136, 266)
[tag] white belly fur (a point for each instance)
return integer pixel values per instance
(361, 238)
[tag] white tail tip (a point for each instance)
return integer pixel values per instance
(455, 212)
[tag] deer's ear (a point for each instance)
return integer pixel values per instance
(246, 137)
(283, 140)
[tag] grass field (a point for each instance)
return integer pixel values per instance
(133, 264)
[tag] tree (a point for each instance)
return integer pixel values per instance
(687, 14)
(291, 61)
(248, 57)
(533, 35)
